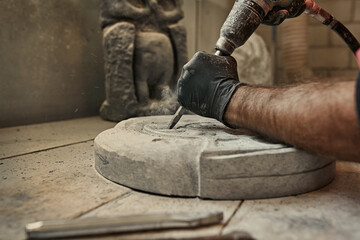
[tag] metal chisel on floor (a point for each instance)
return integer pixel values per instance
(134, 223)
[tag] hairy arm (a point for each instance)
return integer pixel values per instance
(318, 117)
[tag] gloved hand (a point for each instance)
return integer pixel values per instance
(207, 83)
(277, 15)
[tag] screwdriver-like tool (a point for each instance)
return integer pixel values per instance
(124, 224)
(175, 119)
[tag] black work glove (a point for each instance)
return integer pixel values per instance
(207, 83)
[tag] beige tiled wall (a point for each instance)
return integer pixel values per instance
(203, 20)
(328, 55)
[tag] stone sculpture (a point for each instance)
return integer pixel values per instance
(144, 50)
(254, 64)
(203, 158)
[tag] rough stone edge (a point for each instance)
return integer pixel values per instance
(267, 186)
(242, 160)
(128, 175)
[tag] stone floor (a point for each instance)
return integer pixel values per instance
(47, 172)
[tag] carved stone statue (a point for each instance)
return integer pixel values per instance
(144, 49)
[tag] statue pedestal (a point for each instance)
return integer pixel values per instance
(203, 158)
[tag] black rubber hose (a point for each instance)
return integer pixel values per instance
(327, 19)
(346, 35)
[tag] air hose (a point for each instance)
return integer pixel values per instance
(330, 21)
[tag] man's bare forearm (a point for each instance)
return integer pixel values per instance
(318, 117)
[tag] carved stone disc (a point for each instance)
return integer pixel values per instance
(201, 157)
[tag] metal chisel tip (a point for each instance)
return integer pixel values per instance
(176, 117)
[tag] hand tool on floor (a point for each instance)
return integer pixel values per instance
(135, 223)
(247, 15)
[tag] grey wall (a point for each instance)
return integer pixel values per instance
(328, 56)
(51, 62)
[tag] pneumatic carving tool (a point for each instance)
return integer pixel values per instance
(247, 15)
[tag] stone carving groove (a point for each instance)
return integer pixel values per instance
(203, 158)
(144, 50)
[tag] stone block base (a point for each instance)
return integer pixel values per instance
(203, 158)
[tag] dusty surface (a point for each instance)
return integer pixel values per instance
(61, 182)
(20, 140)
(201, 157)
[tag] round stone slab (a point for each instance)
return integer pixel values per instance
(202, 157)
